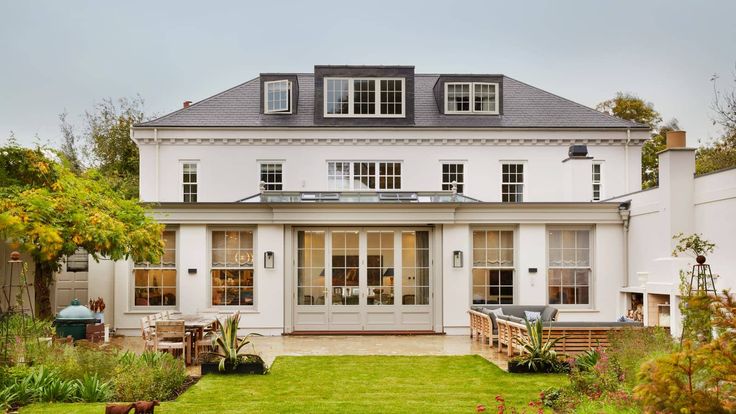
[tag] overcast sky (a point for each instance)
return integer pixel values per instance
(67, 55)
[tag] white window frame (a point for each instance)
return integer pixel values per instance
(460, 184)
(512, 267)
(256, 272)
(591, 266)
(160, 266)
(351, 98)
(598, 182)
(472, 111)
(263, 163)
(182, 183)
(523, 179)
(266, 100)
(376, 175)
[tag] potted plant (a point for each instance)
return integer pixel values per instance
(97, 306)
(537, 355)
(227, 357)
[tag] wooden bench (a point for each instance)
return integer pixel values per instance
(576, 337)
(481, 327)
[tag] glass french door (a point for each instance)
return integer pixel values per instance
(363, 279)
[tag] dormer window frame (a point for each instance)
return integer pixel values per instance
(377, 91)
(472, 97)
(267, 101)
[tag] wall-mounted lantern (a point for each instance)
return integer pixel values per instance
(457, 259)
(268, 260)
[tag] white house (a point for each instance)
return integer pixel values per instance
(371, 198)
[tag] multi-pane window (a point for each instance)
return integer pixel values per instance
(338, 175)
(471, 97)
(364, 175)
(453, 173)
(380, 267)
(597, 181)
(189, 182)
(337, 93)
(493, 266)
(345, 268)
(392, 96)
(415, 267)
(389, 175)
(569, 267)
(232, 267)
(277, 96)
(155, 283)
(364, 97)
(512, 183)
(310, 267)
(272, 176)
(458, 97)
(484, 97)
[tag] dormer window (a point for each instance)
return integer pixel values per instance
(364, 97)
(471, 98)
(277, 97)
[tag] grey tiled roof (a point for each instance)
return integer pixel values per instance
(524, 106)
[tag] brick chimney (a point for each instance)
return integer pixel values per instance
(187, 103)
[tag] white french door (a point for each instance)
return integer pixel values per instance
(362, 279)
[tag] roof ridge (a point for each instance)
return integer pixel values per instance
(633, 124)
(197, 103)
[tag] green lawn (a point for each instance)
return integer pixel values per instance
(353, 384)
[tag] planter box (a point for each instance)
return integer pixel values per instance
(258, 368)
(522, 368)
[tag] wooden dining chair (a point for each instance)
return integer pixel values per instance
(147, 333)
(172, 336)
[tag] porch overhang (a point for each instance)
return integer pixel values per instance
(326, 213)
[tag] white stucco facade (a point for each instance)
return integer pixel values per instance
(355, 263)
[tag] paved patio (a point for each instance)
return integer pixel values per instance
(272, 346)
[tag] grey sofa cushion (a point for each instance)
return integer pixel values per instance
(549, 313)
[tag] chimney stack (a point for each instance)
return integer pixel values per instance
(676, 139)
(187, 103)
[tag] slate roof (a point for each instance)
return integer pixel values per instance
(524, 106)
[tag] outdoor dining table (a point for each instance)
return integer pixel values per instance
(196, 324)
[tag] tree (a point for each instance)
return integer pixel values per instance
(70, 150)
(108, 134)
(105, 143)
(49, 212)
(722, 153)
(649, 151)
(631, 107)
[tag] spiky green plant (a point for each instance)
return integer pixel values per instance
(538, 354)
(227, 345)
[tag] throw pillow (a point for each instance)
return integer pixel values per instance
(493, 313)
(532, 316)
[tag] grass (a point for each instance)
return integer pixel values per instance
(353, 384)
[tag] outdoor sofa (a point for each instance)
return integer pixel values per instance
(576, 337)
(483, 323)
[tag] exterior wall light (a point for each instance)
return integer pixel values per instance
(457, 259)
(268, 260)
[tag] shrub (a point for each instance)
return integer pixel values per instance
(150, 376)
(538, 355)
(630, 348)
(92, 389)
(58, 390)
(699, 378)
(75, 362)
